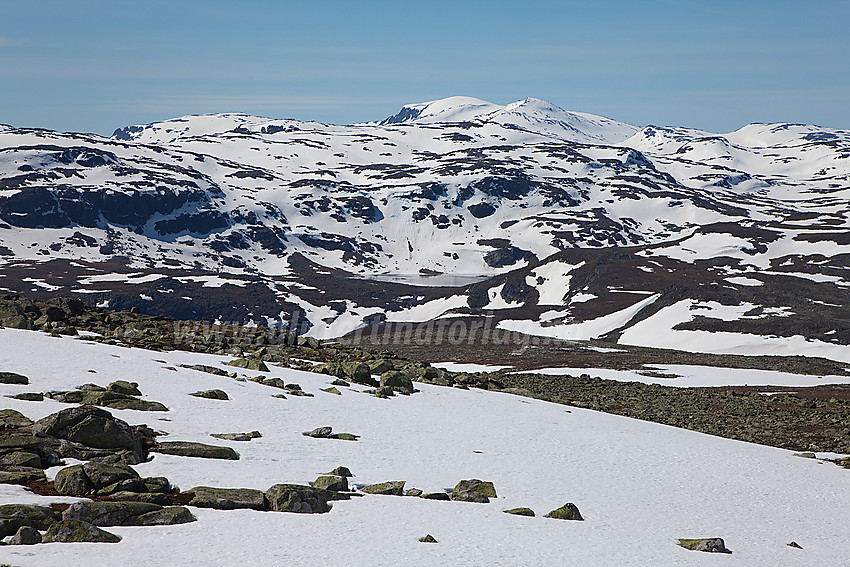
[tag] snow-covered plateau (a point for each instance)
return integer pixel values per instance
(639, 486)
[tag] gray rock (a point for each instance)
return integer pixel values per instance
(520, 512)
(330, 482)
(413, 492)
(319, 432)
(227, 498)
(200, 450)
(72, 481)
(157, 498)
(29, 396)
(568, 511)
(206, 368)
(12, 378)
(78, 531)
(435, 496)
(12, 419)
(211, 394)
(11, 474)
(344, 436)
(237, 436)
(710, 545)
(473, 490)
(249, 364)
(92, 427)
(297, 498)
(25, 535)
(21, 459)
(341, 471)
(169, 516)
(125, 387)
(399, 381)
(392, 488)
(17, 515)
(108, 513)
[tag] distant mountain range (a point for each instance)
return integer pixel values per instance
(550, 221)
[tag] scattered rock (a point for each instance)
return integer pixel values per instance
(435, 496)
(78, 531)
(341, 471)
(168, 516)
(227, 498)
(344, 436)
(211, 394)
(330, 482)
(25, 535)
(29, 396)
(473, 490)
(331, 390)
(206, 368)
(428, 539)
(237, 436)
(397, 380)
(520, 512)
(12, 378)
(807, 455)
(190, 449)
(710, 545)
(319, 432)
(794, 544)
(339, 382)
(568, 511)
(249, 364)
(392, 488)
(297, 498)
(124, 387)
(413, 492)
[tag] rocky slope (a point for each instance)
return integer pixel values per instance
(566, 224)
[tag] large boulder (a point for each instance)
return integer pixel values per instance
(108, 513)
(12, 419)
(17, 515)
(399, 381)
(25, 535)
(190, 449)
(167, 516)
(297, 498)
(125, 387)
(215, 394)
(92, 427)
(249, 364)
(72, 481)
(392, 488)
(21, 459)
(331, 482)
(78, 531)
(227, 498)
(473, 490)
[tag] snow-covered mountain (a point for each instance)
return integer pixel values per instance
(541, 216)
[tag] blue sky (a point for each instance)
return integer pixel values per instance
(717, 65)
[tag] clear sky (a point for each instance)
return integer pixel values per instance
(91, 65)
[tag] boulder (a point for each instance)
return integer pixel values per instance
(10, 474)
(21, 459)
(227, 498)
(211, 394)
(392, 488)
(399, 381)
(29, 396)
(108, 513)
(319, 432)
(520, 512)
(25, 535)
(168, 516)
(157, 498)
(331, 390)
(330, 482)
(206, 368)
(201, 450)
(297, 498)
(568, 511)
(92, 427)
(17, 515)
(341, 471)
(124, 387)
(362, 374)
(237, 436)
(12, 419)
(72, 481)
(435, 496)
(473, 490)
(249, 364)
(78, 531)
(12, 378)
(344, 436)
(710, 545)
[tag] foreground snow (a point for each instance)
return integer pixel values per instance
(639, 485)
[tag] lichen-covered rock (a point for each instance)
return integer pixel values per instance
(77, 531)
(157, 498)
(104, 475)
(25, 535)
(414, 492)
(428, 539)
(331, 390)
(568, 511)
(125, 387)
(29, 396)
(21, 459)
(227, 498)
(520, 512)
(329, 482)
(214, 394)
(399, 381)
(392, 488)
(10, 474)
(72, 481)
(206, 368)
(108, 513)
(297, 498)
(435, 496)
(249, 364)
(341, 471)
(474, 490)
(13, 419)
(13, 378)
(709, 545)
(344, 436)
(200, 450)
(92, 427)
(319, 432)
(168, 516)
(17, 515)
(237, 436)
